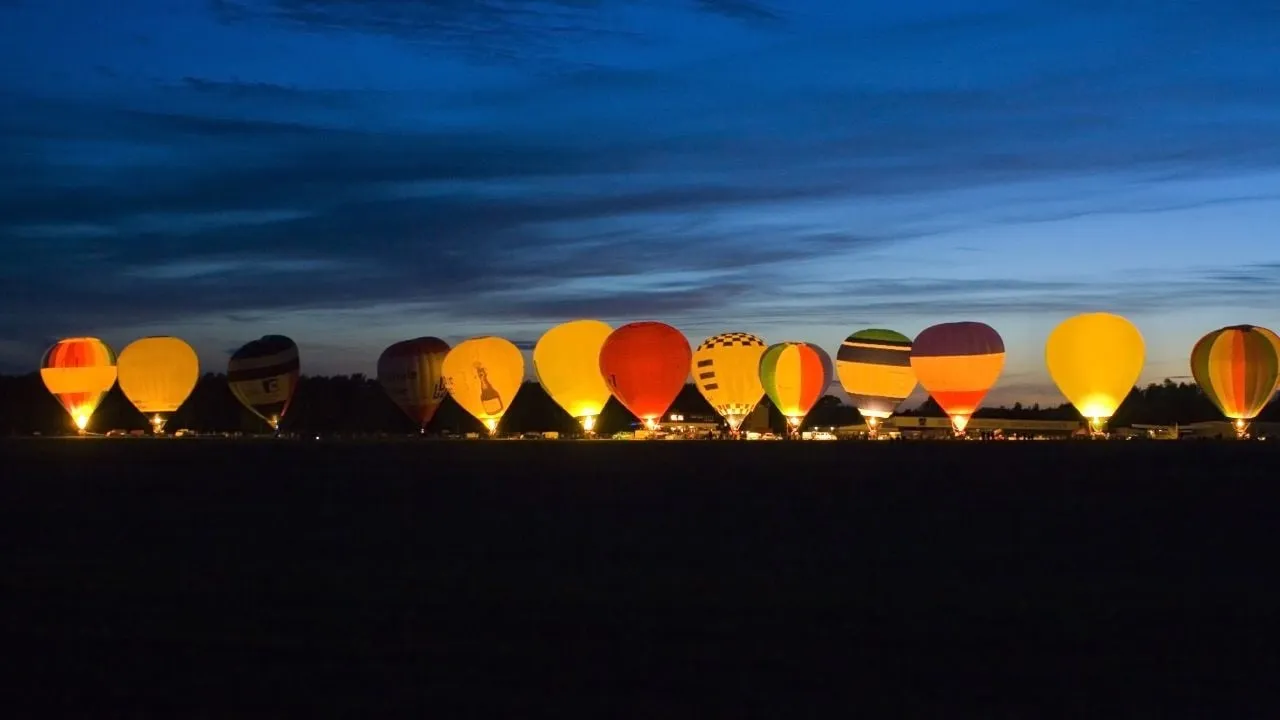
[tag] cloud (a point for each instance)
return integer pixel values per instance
(674, 166)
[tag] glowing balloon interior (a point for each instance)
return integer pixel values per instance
(957, 364)
(411, 372)
(79, 372)
(157, 375)
(726, 371)
(263, 376)
(566, 360)
(646, 364)
(483, 375)
(1095, 360)
(874, 367)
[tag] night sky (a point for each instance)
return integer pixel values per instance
(356, 172)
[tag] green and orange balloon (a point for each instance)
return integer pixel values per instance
(1236, 367)
(795, 375)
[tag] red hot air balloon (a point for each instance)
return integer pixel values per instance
(957, 363)
(645, 365)
(410, 372)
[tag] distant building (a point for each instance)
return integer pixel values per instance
(940, 427)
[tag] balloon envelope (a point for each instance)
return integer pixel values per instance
(566, 360)
(263, 376)
(79, 372)
(874, 367)
(726, 370)
(958, 363)
(795, 375)
(1236, 367)
(1275, 342)
(1095, 360)
(157, 375)
(411, 372)
(646, 364)
(483, 375)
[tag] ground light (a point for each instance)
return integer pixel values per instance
(157, 423)
(492, 425)
(959, 423)
(81, 419)
(588, 424)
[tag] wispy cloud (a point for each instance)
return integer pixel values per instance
(730, 162)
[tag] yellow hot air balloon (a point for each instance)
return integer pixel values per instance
(157, 375)
(726, 370)
(483, 375)
(1095, 360)
(566, 360)
(79, 372)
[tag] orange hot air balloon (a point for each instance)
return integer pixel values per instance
(958, 363)
(646, 365)
(1236, 367)
(79, 372)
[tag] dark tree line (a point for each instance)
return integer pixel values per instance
(355, 404)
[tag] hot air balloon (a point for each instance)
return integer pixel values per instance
(795, 375)
(483, 375)
(157, 375)
(566, 360)
(411, 372)
(263, 375)
(874, 367)
(79, 372)
(1236, 367)
(1095, 360)
(958, 363)
(1275, 341)
(726, 370)
(646, 364)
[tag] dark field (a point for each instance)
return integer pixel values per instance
(643, 579)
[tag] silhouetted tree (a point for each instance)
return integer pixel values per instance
(355, 404)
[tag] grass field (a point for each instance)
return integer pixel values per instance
(635, 579)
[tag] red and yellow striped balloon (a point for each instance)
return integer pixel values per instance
(79, 372)
(1236, 367)
(958, 363)
(1275, 342)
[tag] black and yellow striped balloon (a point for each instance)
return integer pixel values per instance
(874, 367)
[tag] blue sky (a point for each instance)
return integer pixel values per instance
(352, 173)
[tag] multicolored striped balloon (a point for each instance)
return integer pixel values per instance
(410, 372)
(1275, 342)
(794, 376)
(1236, 367)
(79, 372)
(263, 375)
(958, 363)
(874, 367)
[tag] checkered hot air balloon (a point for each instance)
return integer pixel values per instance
(726, 371)
(795, 375)
(958, 363)
(79, 372)
(1236, 367)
